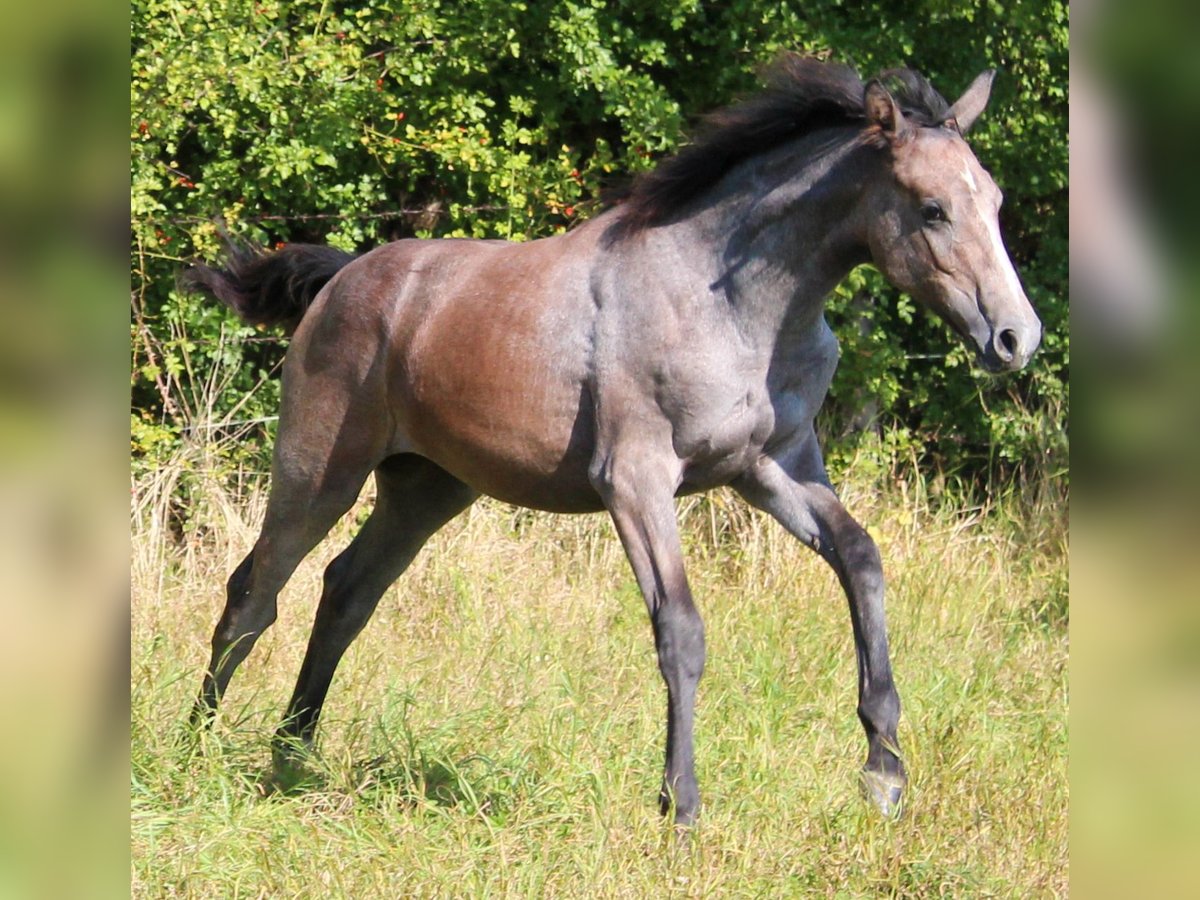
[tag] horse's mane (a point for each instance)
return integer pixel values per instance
(802, 95)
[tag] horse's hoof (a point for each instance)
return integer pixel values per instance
(289, 774)
(885, 792)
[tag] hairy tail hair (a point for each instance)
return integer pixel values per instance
(268, 288)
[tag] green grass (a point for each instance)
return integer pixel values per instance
(498, 728)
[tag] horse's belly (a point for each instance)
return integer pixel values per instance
(518, 440)
(518, 467)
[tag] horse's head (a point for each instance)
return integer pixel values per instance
(933, 229)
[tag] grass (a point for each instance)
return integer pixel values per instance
(498, 728)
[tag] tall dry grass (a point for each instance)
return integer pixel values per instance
(497, 729)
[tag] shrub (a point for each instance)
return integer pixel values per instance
(312, 121)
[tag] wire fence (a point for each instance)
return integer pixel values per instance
(432, 210)
(223, 425)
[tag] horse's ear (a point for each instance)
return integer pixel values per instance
(882, 109)
(966, 109)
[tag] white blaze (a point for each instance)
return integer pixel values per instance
(1002, 259)
(992, 223)
(969, 179)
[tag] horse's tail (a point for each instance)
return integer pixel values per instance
(269, 288)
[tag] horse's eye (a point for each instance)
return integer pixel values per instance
(932, 212)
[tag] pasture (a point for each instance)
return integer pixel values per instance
(497, 729)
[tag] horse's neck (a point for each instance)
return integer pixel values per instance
(784, 235)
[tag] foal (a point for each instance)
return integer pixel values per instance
(670, 345)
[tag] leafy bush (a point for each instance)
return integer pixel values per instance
(318, 121)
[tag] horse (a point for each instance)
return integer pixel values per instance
(673, 343)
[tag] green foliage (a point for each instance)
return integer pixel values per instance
(311, 121)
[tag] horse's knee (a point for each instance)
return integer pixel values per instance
(858, 549)
(857, 556)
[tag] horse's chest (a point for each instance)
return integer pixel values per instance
(727, 428)
(722, 436)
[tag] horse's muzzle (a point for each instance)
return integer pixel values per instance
(1011, 346)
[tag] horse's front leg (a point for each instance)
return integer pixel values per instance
(640, 498)
(795, 491)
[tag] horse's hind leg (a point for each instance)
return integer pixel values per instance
(315, 478)
(414, 499)
(798, 495)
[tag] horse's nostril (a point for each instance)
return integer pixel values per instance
(1007, 344)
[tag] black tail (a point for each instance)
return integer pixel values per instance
(269, 288)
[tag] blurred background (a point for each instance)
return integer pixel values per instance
(64, 526)
(1135, 573)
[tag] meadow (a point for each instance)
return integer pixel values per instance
(497, 730)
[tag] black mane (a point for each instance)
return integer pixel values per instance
(802, 95)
